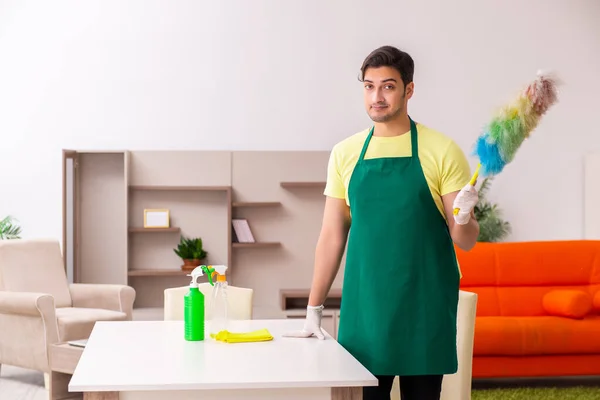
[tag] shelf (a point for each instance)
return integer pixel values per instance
(256, 244)
(256, 203)
(154, 230)
(181, 188)
(290, 185)
(156, 272)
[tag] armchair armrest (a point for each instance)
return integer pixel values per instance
(105, 296)
(29, 327)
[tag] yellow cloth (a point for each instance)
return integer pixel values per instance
(444, 164)
(261, 335)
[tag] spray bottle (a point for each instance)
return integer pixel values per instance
(219, 305)
(194, 306)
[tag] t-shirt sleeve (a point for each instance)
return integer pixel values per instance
(456, 171)
(334, 186)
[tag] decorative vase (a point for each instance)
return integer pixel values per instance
(189, 265)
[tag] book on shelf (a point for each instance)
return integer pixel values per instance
(241, 232)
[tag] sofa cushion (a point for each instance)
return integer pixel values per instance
(523, 336)
(77, 323)
(567, 303)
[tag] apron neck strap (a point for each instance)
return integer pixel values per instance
(364, 148)
(414, 142)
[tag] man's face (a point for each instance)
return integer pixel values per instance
(385, 94)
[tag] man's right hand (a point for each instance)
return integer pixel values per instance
(312, 324)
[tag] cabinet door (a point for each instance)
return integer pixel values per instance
(328, 325)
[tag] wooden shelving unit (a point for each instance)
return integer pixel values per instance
(202, 201)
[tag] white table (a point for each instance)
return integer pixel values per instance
(150, 360)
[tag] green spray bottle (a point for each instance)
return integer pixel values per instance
(194, 306)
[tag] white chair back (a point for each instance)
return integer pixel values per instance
(458, 386)
(240, 302)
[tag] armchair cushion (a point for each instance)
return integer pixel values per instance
(91, 303)
(105, 296)
(77, 323)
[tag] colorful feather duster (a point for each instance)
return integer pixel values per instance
(505, 133)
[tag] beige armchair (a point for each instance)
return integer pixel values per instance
(38, 307)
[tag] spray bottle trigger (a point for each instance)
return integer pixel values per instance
(209, 272)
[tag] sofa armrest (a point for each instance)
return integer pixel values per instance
(29, 328)
(105, 296)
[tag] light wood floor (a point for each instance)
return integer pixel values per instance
(21, 384)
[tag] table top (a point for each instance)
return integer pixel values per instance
(153, 355)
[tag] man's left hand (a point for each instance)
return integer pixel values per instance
(465, 201)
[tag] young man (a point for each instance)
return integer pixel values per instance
(391, 191)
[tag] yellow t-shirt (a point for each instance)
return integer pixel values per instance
(444, 164)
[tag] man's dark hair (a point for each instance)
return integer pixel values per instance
(389, 56)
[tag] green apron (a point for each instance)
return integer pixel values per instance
(401, 280)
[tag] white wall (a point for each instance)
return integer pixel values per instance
(176, 74)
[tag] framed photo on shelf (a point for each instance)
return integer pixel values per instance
(156, 218)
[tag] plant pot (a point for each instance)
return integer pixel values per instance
(189, 265)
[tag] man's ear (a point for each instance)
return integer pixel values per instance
(410, 88)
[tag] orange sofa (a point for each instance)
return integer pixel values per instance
(538, 310)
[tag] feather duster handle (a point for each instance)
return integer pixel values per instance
(513, 123)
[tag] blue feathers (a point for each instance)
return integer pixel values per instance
(489, 156)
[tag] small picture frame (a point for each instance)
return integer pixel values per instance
(156, 218)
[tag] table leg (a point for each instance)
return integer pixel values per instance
(346, 393)
(101, 396)
(58, 388)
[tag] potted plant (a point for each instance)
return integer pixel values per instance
(492, 228)
(9, 229)
(191, 252)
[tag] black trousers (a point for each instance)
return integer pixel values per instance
(420, 387)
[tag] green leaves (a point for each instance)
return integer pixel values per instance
(9, 229)
(190, 249)
(492, 228)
